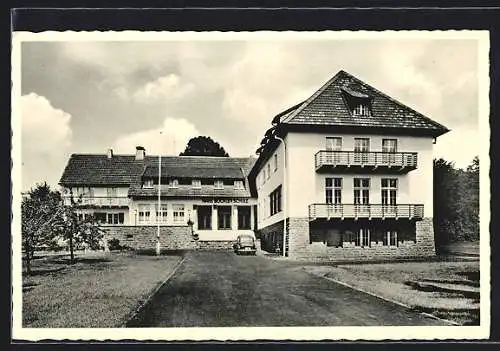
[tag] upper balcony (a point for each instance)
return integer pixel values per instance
(393, 162)
(99, 201)
(369, 211)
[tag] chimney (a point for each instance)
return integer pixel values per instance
(110, 153)
(140, 152)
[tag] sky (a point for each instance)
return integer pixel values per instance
(87, 97)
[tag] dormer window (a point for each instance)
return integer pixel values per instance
(219, 184)
(361, 110)
(238, 184)
(173, 183)
(196, 183)
(148, 183)
(358, 102)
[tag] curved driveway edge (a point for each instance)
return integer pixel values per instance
(143, 304)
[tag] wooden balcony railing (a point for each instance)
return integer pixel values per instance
(401, 161)
(341, 211)
(99, 201)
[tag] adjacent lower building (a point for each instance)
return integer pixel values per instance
(194, 201)
(345, 175)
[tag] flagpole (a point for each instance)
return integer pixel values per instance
(158, 212)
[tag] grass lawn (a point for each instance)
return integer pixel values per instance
(100, 290)
(447, 289)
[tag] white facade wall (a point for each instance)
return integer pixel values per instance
(266, 186)
(306, 186)
(190, 212)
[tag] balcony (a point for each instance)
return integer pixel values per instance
(394, 162)
(379, 211)
(99, 202)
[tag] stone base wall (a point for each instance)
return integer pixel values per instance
(214, 245)
(271, 237)
(302, 249)
(144, 237)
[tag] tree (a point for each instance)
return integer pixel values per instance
(456, 202)
(203, 146)
(39, 210)
(77, 229)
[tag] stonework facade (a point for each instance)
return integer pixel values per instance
(144, 237)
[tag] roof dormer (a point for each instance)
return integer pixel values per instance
(358, 102)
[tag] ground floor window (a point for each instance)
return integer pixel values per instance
(161, 215)
(391, 238)
(178, 212)
(144, 213)
(224, 217)
(110, 217)
(360, 237)
(204, 217)
(244, 217)
(115, 218)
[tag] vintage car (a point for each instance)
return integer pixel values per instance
(245, 244)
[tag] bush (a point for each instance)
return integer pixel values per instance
(114, 244)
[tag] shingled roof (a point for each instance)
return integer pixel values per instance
(125, 170)
(327, 107)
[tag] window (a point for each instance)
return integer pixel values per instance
(364, 237)
(391, 238)
(238, 184)
(361, 149)
(173, 183)
(144, 214)
(389, 189)
(275, 201)
(224, 217)
(204, 214)
(161, 216)
(148, 183)
(196, 183)
(389, 148)
(361, 191)
(111, 192)
(275, 162)
(333, 190)
(178, 212)
(219, 184)
(244, 217)
(361, 110)
(115, 218)
(100, 217)
(268, 170)
(333, 143)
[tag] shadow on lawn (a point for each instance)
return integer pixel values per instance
(86, 260)
(45, 271)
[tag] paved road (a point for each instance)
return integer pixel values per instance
(222, 289)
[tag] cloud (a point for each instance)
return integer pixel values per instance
(170, 138)
(164, 88)
(46, 139)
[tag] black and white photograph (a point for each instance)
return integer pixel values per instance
(250, 185)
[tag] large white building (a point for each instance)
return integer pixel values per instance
(349, 170)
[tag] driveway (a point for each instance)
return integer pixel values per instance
(221, 289)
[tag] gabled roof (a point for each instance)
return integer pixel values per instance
(327, 107)
(88, 169)
(125, 170)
